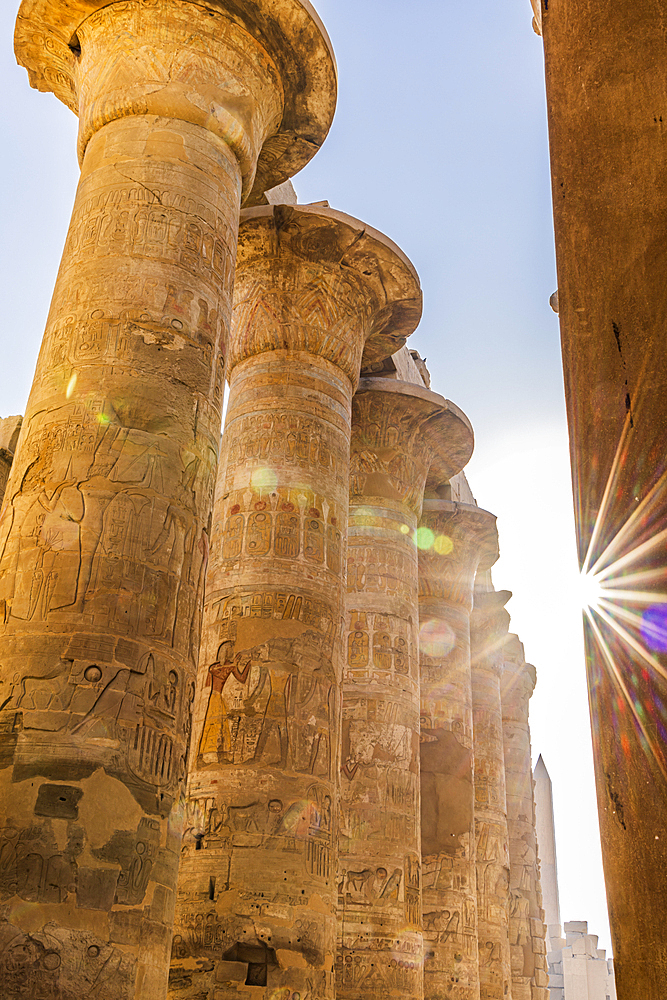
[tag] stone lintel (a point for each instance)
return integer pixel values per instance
(289, 31)
(365, 298)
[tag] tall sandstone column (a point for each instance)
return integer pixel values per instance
(104, 533)
(455, 540)
(527, 931)
(405, 439)
(606, 99)
(315, 290)
(489, 626)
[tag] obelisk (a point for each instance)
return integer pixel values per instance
(457, 540)
(184, 109)
(316, 291)
(405, 440)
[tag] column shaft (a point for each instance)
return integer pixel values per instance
(489, 630)
(398, 432)
(259, 862)
(455, 539)
(104, 540)
(527, 932)
(611, 253)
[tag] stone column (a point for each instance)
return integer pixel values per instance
(527, 931)
(455, 539)
(402, 434)
(104, 534)
(606, 108)
(489, 627)
(314, 291)
(10, 429)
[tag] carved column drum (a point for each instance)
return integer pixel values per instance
(456, 539)
(104, 536)
(530, 978)
(402, 435)
(315, 291)
(490, 623)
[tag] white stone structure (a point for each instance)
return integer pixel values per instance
(578, 969)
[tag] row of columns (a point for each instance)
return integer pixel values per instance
(337, 836)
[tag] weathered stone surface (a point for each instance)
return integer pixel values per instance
(526, 916)
(404, 439)
(261, 77)
(457, 539)
(607, 110)
(313, 287)
(105, 525)
(489, 626)
(10, 429)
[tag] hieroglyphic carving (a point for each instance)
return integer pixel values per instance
(526, 917)
(446, 577)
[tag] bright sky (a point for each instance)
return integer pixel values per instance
(440, 142)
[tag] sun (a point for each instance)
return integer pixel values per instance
(591, 590)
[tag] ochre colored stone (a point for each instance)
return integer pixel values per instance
(489, 626)
(405, 439)
(461, 539)
(105, 528)
(314, 289)
(526, 917)
(606, 104)
(10, 429)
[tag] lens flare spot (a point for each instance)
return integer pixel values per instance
(264, 480)
(654, 627)
(405, 530)
(71, 386)
(443, 545)
(425, 538)
(436, 638)
(103, 419)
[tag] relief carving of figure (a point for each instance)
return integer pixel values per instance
(216, 742)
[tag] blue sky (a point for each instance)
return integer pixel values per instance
(440, 142)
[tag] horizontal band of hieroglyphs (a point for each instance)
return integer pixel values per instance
(160, 225)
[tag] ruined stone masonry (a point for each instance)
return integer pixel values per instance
(262, 714)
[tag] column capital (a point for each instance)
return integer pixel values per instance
(261, 76)
(465, 539)
(518, 678)
(404, 439)
(313, 279)
(489, 625)
(10, 428)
